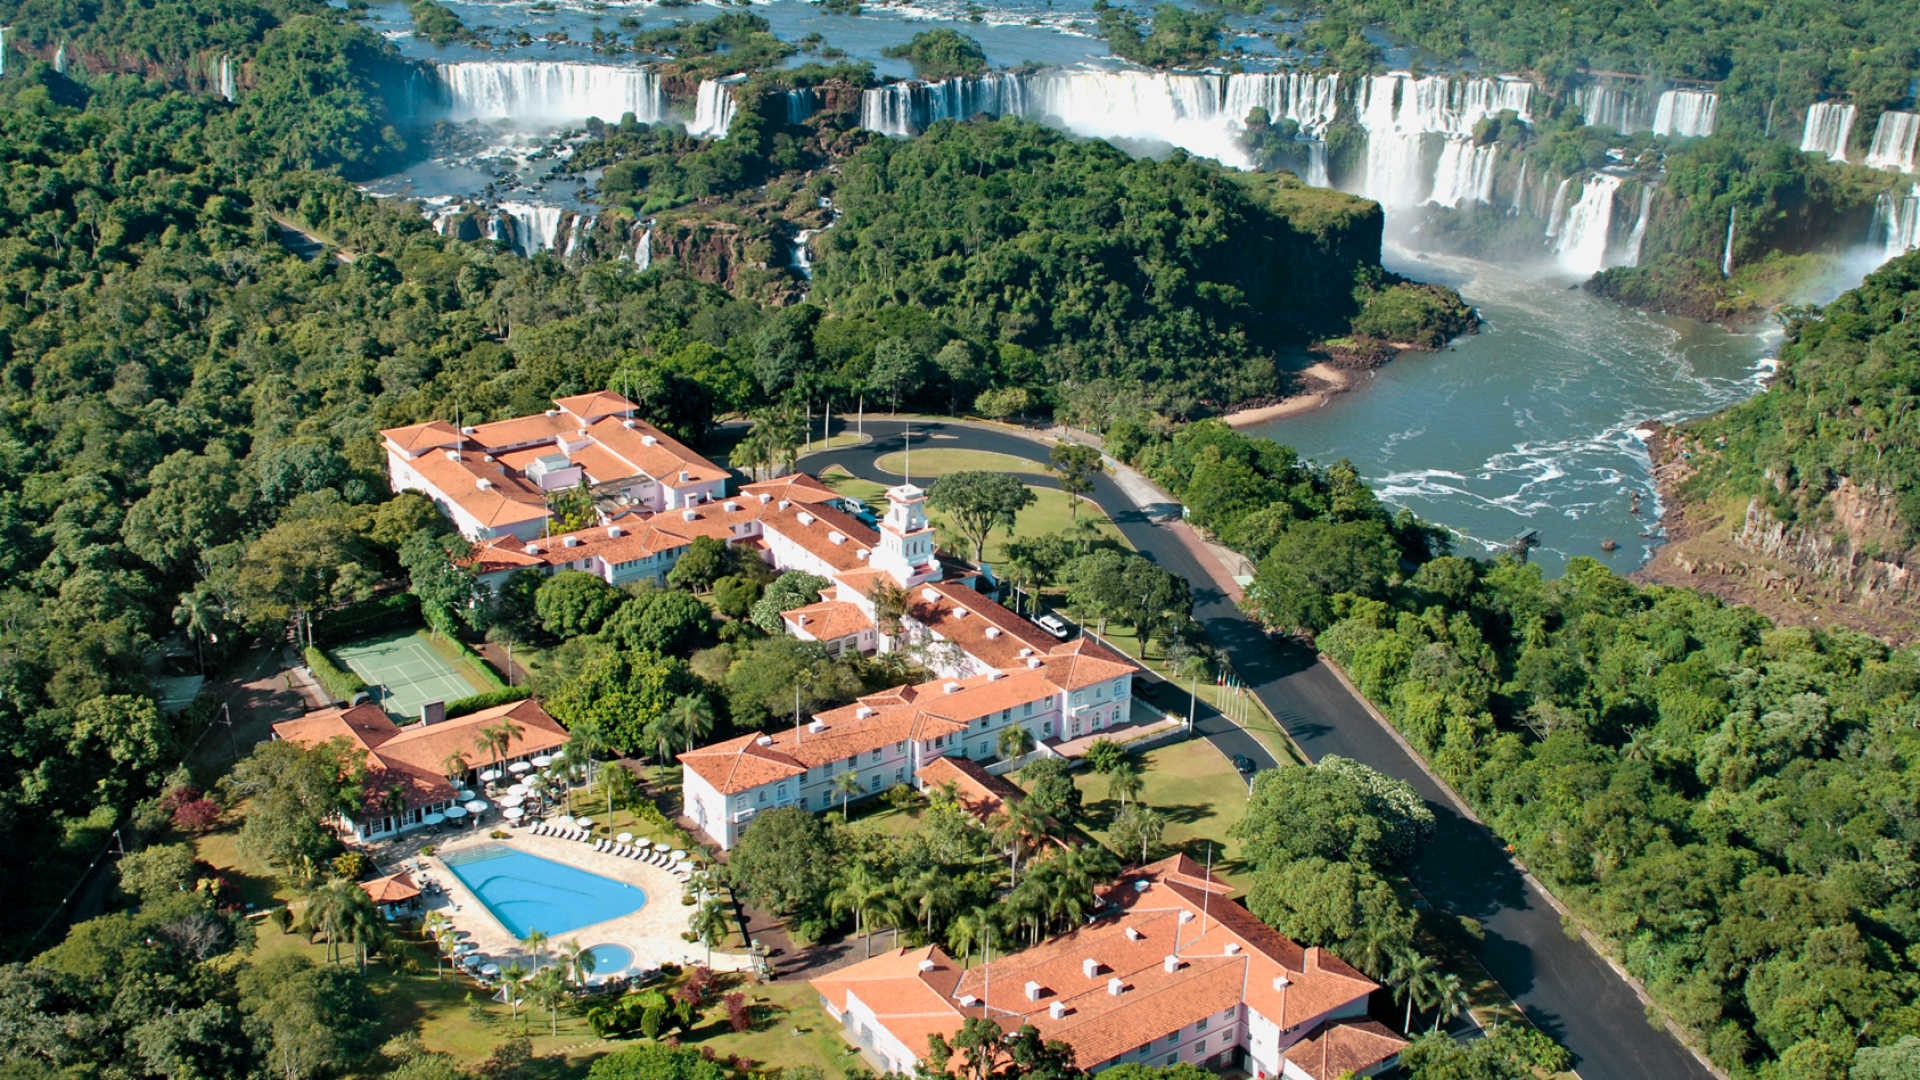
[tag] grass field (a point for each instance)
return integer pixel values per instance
(403, 671)
(1195, 788)
(1049, 514)
(931, 461)
(851, 486)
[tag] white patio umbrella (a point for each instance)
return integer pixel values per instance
(489, 970)
(456, 812)
(490, 775)
(680, 856)
(625, 838)
(511, 802)
(517, 789)
(518, 767)
(477, 806)
(513, 813)
(662, 845)
(565, 821)
(584, 822)
(541, 761)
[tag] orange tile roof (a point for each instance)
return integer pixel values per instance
(524, 430)
(828, 620)
(592, 406)
(909, 991)
(986, 630)
(980, 793)
(1344, 1047)
(812, 526)
(489, 491)
(1078, 664)
(601, 465)
(391, 889)
(1168, 908)
(414, 438)
(794, 487)
(664, 459)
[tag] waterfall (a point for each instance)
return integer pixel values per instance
(1317, 164)
(800, 258)
(1896, 223)
(1519, 190)
(1582, 241)
(1308, 99)
(1464, 174)
(1726, 254)
(1828, 127)
(545, 92)
(526, 227)
(1893, 141)
(714, 108)
(801, 104)
(1558, 215)
(229, 90)
(1638, 237)
(642, 256)
(581, 227)
(1686, 114)
(1606, 105)
(60, 59)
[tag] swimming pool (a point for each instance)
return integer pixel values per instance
(528, 893)
(610, 960)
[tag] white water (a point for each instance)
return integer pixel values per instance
(1896, 223)
(527, 227)
(1606, 105)
(229, 89)
(545, 93)
(801, 104)
(1557, 216)
(60, 59)
(1638, 237)
(581, 227)
(800, 259)
(1581, 243)
(1893, 141)
(642, 256)
(1726, 254)
(714, 108)
(1686, 114)
(1519, 190)
(1829, 125)
(1464, 174)
(1317, 165)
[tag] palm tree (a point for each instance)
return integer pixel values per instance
(453, 767)
(548, 987)
(342, 910)
(576, 960)
(662, 732)
(1408, 976)
(1447, 998)
(393, 800)
(511, 977)
(933, 892)
(496, 738)
(1370, 949)
(711, 925)
(619, 784)
(692, 717)
(846, 785)
(536, 943)
(861, 895)
(1125, 781)
(438, 929)
(1015, 741)
(972, 927)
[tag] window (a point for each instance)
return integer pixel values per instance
(1029, 708)
(763, 794)
(899, 775)
(1201, 1024)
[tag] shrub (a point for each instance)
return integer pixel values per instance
(196, 817)
(341, 685)
(737, 1016)
(487, 699)
(283, 918)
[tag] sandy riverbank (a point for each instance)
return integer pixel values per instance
(1322, 382)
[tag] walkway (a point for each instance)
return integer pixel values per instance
(1565, 988)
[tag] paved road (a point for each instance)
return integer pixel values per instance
(1565, 988)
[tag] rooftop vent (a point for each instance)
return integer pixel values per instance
(453, 455)
(968, 1001)
(689, 515)
(486, 457)
(1033, 990)
(1281, 982)
(928, 964)
(960, 612)
(805, 518)
(1033, 661)
(992, 632)
(583, 432)
(996, 676)
(1026, 652)
(553, 412)
(534, 549)
(1090, 968)
(952, 688)
(1230, 948)
(800, 620)
(837, 538)
(569, 541)
(483, 484)
(931, 596)
(614, 532)
(648, 440)
(781, 505)
(1115, 986)
(469, 430)
(816, 728)
(631, 424)
(730, 506)
(1057, 1010)
(1171, 964)
(685, 476)
(1186, 917)
(766, 498)
(1133, 933)
(863, 712)
(863, 553)
(764, 740)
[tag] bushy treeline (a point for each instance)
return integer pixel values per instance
(1841, 411)
(1731, 805)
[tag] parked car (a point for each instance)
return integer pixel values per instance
(1055, 625)
(1244, 764)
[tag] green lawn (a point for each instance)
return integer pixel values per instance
(852, 487)
(1195, 788)
(1245, 707)
(1050, 513)
(930, 461)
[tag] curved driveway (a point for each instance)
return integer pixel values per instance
(1566, 989)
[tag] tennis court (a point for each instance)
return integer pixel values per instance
(402, 672)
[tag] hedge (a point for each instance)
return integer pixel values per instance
(382, 613)
(487, 700)
(340, 684)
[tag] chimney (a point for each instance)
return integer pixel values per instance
(781, 505)
(1281, 982)
(1171, 964)
(836, 538)
(863, 712)
(764, 740)
(614, 532)
(469, 430)
(766, 498)
(432, 712)
(968, 1001)
(1057, 1010)
(1090, 967)
(1115, 986)
(815, 728)
(805, 518)
(685, 476)
(1026, 652)
(931, 596)
(1033, 661)
(1186, 917)
(800, 620)
(730, 506)
(553, 412)
(453, 455)
(993, 632)
(648, 440)
(1033, 990)
(569, 541)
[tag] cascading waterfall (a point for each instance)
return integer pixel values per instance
(714, 108)
(1581, 243)
(1896, 223)
(1317, 165)
(1519, 190)
(1893, 141)
(1638, 238)
(548, 92)
(527, 227)
(800, 258)
(642, 256)
(801, 104)
(581, 227)
(1557, 216)
(229, 89)
(1686, 114)
(60, 59)
(1308, 99)
(1829, 125)
(1607, 105)
(1464, 174)
(1726, 254)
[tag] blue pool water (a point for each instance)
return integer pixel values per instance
(610, 960)
(528, 893)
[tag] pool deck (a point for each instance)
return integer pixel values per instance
(653, 932)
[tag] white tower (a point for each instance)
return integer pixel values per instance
(906, 540)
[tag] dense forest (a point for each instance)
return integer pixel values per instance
(1731, 805)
